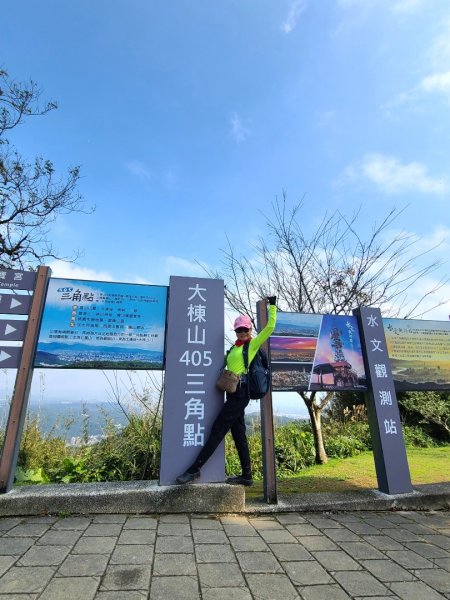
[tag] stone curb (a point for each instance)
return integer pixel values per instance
(145, 497)
(434, 496)
(130, 497)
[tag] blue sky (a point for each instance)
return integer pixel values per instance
(188, 117)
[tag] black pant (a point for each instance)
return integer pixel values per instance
(231, 417)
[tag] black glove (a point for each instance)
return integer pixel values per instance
(272, 300)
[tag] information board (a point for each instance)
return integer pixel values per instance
(102, 325)
(316, 352)
(419, 353)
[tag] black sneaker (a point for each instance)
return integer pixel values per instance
(187, 477)
(240, 480)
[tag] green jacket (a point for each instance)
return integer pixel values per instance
(235, 358)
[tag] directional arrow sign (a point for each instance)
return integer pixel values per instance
(12, 330)
(13, 304)
(10, 357)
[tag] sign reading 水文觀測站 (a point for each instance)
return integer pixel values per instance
(194, 356)
(102, 325)
(384, 418)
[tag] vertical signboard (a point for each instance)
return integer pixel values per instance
(24, 357)
(384, 419)
(11, 303)
(194, 357)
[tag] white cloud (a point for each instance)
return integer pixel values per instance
(406, 6)
(393, 177)
(139, 169)
(296, 8)
(439, 82)
(71, 271)
(440, 236)
(435, 66)
(437, 56)
(239, 132)
(175, 265)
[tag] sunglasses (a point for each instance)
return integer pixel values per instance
(242, 330)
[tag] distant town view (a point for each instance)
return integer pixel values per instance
(83, 356)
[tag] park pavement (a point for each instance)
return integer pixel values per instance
(282, 556)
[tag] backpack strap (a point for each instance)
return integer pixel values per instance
(226, 356)
(245, 355)
(264, 359)
(262, 354)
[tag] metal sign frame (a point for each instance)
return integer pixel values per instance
(267, 432)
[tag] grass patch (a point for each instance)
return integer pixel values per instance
(427, 465)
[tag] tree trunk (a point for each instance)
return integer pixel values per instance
(315, 414)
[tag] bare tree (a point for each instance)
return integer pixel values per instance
(330, 270)
(31, 195)
(130, 393)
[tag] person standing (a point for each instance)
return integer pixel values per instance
(232, 414)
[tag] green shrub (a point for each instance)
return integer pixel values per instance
(31, 476)
(430, 410)
(343, 446)
(346, 438)
(41, 451)
(133, 453)
(294, 447)
(416, 436)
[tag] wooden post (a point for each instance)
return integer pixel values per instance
(268, 446)
(19, 403)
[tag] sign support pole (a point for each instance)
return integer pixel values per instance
(19, 403)
(268, 446)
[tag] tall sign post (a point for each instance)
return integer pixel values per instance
(25, 356)
(268, 445)
(194, 357)
(391, 463)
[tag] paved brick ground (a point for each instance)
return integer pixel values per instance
(280, 556)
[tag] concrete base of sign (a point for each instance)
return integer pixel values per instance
(147, 497)
(130, 497)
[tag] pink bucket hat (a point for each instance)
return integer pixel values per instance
(243, 321)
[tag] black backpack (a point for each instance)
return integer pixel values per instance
(258, 375)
